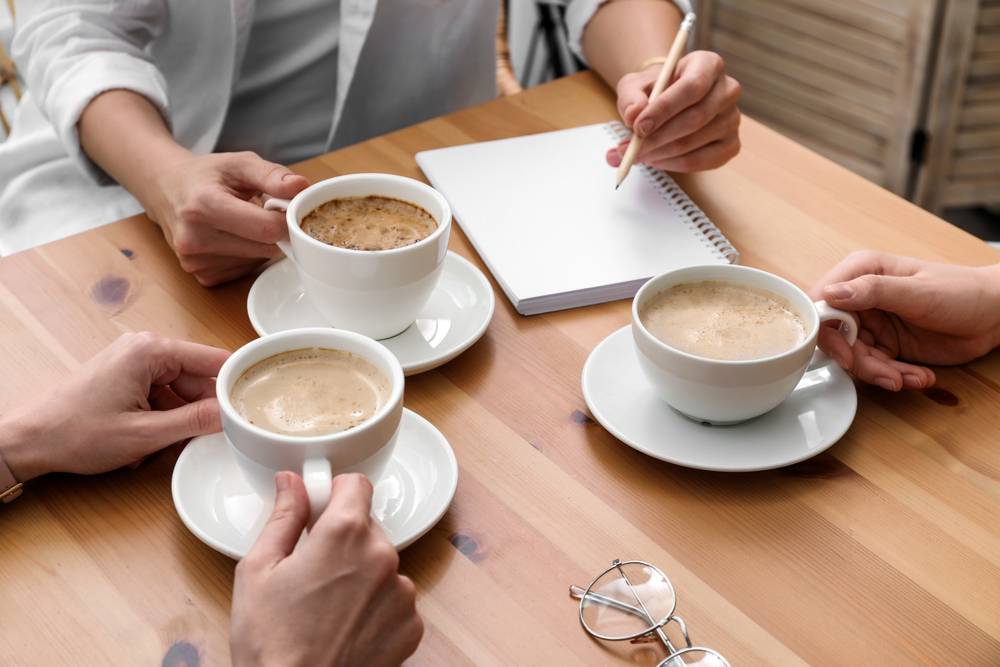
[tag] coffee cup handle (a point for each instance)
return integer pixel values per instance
(275, 204)
(849, 327)
(318, 478)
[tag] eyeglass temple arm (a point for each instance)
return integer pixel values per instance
(578, 593)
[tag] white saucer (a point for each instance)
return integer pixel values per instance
(455, 317)
(218, 506)
(812, 419)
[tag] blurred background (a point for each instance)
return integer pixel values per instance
(904, 92)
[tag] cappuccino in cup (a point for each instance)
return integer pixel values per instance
(368, 223)
(309, 392)
(723, 320)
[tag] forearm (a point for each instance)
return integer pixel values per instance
(125, 135)
(624, 33)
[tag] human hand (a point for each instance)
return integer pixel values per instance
(337, 600)
(910, 309)
(204, 205)
(692, 126)
(138, 395)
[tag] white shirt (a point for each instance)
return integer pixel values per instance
(398, 62)
(286, 91)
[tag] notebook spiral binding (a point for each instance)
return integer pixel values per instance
(687, 210)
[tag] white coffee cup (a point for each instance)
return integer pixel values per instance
(723, 391)
(377, 293)
(366, 448)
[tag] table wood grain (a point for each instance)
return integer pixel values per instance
(884, 551)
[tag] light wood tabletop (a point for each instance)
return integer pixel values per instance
(885, 550)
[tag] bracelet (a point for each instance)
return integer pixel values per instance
(10, 488)
(655, 60)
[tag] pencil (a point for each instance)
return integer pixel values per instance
(661, 82)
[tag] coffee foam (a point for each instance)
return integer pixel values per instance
(368, 223)
(722, 320)
(308, 392)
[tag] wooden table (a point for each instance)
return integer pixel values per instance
(884, 551)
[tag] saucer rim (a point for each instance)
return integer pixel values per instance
(413, 368)
(399, 545)
(617, 434)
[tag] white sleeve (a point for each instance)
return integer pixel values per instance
(70, 52)
(579, 13)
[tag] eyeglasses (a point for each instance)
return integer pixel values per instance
(634, 600)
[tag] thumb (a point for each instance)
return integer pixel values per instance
(287, 520)
(256, 174)
(165, 427)
(632, 99)
(895, 294)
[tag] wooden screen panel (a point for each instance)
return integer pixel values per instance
(844, 78)
(963, 165)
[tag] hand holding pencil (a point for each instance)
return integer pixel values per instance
(689, 124)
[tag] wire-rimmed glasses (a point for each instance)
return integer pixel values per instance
(633, 600)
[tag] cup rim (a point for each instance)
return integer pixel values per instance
(291, 216)
(648, 286)
(223, 383)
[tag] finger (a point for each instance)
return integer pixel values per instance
(170, 358)
(228, 245)
(696, 75)
(914, 376)
(164, 398)
(251, 173)
(633, 95)
(350, 499)
(721, 100)
(864, 262)
(215, 277)
(245, 220)
(161, 428)
(878, 372)
(832, 342)
(894, 294)
(616, 154)
(287, 521)
(722, 126)
(711, 156)
(217, 263)
(193, 387)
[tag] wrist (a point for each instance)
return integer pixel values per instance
(22, 448)
(148, 184)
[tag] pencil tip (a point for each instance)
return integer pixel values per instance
(617, 185)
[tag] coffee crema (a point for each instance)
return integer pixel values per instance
(723, 320)
(368, 223)
(308, 392)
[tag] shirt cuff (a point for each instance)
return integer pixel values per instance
(579, 13)
(92, 75)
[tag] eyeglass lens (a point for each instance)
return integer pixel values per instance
(627, 601)
(694, 657)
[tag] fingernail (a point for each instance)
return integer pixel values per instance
(281, 481)
(913, 380)
(645, 127)
(629, 108)
(287, 176)
(886, 383)
(840, 291)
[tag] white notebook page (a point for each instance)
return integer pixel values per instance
(543, 214)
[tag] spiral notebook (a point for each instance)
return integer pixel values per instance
(543, 214)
